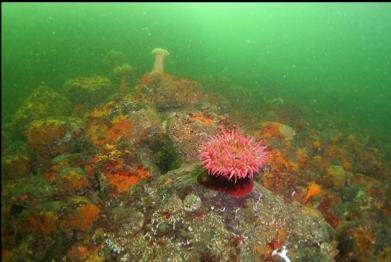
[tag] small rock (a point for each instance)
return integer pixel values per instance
(191, 203)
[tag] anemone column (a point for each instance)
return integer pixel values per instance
(160, 54)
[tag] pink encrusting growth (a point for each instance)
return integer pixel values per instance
(233, 156)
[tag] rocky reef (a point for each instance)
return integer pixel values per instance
(100, 172)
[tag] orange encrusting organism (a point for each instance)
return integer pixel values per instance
(271, 130)
(83, 217)
(123, 180)
(316, 145)
(277, 160)
(43, 222)
(202, 119)
(121, 128)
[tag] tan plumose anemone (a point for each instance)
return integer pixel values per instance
(123, 72)
(160, 54)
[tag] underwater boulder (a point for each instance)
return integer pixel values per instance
(19, 195)
(22, 192)
(184, 219)
(121, 181)
(88, 91)
(128, 219)
(16, 165)
(189, 130)
(44, 102)
(168, 91)
(16, 161)
(115, 170)
(47, 228)
(124, 120)
(54, 136)
(61, 162)
(72, 180)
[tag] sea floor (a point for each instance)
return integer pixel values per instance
(100, 171)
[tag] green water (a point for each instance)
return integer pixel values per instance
(331, 62)
(332, 59)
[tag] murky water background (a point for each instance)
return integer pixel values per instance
(322, 70)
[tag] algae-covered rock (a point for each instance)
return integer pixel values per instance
(189, 130)
(191, 202)
(337, 174)
(25, 191)
(16, 161)
(125, 119)
(16, 165)
(49, 227)
(54, 136)
(168, 91)
(185, 220)
(129, 220)
(74, 213)
(72, 180)
(44, 102)
(88, 91)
